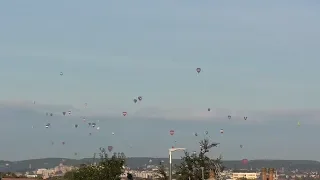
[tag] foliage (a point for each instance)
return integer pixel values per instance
(107, 168)
(192, 163)
(243, 178)
(160, 173)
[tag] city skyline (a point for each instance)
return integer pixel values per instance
(258, 60)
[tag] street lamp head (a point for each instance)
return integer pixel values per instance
(177, 149)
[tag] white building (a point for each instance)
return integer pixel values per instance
(245, 174)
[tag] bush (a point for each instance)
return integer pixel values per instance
(107, 168)
(192, 164)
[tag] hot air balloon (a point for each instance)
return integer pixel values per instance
(110, 148)
(206, 132)
(61, 73)
(229, 117)
(63, 143)
(51, 114)
(198, 70)
(245, 118)
(298, 124)
(171, 132)
(93, 125)
(195, 134)
(76, 125)
(47, 125)
(47, 114)
(98, 128)
(209, 109)
(241, 145)
(140, 98)
(221, 131)
(112, 133)
(34, 102)
(244, 161)
(135, 100)
(69, 112)
(64, 113)
(124, 113)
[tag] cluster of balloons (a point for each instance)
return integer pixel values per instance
(125, 113)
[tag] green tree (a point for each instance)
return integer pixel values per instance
(107, 168)
(160, 173)
(192, 164)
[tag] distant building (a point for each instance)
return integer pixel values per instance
(237, 174)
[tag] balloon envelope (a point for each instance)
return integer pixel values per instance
(171, 132)
(244, 161)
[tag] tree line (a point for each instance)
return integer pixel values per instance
(194, 166)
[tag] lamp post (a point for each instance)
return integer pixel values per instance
(202, 172)
(170, 159)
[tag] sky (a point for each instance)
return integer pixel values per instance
(257, 59)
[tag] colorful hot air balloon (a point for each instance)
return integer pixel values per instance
(241, 145)
(221, 131)
(245, 118)
(244, 161)
(171, 132)
(51, 114)
(140, 98)
(124, 113)
(61, 73)
(229, 117)
(135, 100)
(64, 113)
(69, 112)
(76, 125)
(195, 134)
(198, 70)
(110, 148)
(206, 132)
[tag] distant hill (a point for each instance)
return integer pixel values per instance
(140, 162)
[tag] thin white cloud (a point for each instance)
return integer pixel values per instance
(305, 116)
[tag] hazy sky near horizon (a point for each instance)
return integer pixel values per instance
(258, 59)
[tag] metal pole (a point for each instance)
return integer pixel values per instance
(202, 170)
(170, 165)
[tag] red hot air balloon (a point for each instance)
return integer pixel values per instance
(110, 148)
(244, 161)
(124, 113)
(171, 132)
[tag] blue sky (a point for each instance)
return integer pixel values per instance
(258, 59)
